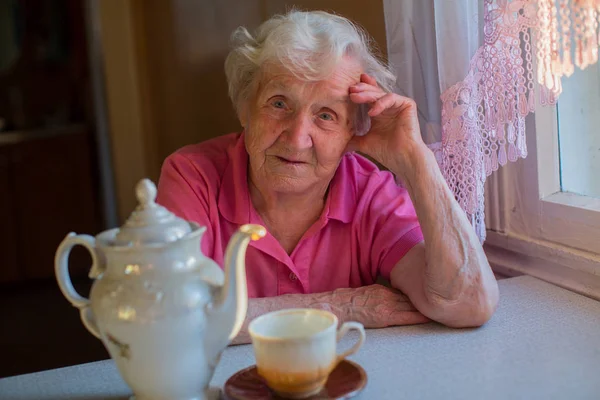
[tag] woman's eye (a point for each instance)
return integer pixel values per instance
(326, 117)
(278, 104)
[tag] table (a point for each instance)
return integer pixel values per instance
(542, 343)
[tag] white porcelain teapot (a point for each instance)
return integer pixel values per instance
(163, 310)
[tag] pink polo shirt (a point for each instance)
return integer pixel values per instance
(367, 225)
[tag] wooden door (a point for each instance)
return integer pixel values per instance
(56, 195)
(8, 242)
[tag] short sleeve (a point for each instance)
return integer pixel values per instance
(184, 191)
(389, 223)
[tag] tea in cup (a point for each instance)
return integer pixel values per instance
(296, 349)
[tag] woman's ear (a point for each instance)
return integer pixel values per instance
(363, 121)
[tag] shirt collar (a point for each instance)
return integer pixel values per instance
(234, 196)
(341, 200)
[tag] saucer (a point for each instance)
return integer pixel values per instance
(344, 382)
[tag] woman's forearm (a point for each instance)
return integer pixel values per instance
(457, 278)
(374, 306)
(260, 306)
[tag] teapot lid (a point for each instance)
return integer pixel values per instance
(151, 223)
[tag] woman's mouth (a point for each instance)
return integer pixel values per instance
(290, 161)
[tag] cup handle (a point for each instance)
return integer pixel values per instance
(345, 328)
(61, 269)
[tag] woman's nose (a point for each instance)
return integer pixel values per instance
(298, 133)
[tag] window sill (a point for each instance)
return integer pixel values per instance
(575, 270)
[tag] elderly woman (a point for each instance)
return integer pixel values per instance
(309, 94)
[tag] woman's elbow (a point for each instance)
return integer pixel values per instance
(472, 311)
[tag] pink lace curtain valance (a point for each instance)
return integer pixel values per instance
(483, 115)
(568, 36)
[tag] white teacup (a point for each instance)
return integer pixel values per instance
(296, 349)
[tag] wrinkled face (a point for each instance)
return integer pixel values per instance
(297, 131)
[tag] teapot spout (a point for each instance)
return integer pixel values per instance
(231, 301)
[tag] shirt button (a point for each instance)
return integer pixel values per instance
(293, 277)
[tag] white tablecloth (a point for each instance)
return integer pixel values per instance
(542, 343)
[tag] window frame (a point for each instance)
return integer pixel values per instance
(533, 227)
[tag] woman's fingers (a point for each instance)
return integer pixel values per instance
(362, 87)
(365, 97)
(391, 100)
(383, 103)
(378, 100)
(368, 79)
(367, 91)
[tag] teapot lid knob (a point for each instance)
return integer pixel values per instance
(151, 223)
(145, 192)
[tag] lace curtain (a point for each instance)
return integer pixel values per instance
(472, 66)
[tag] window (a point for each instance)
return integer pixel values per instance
(543, 212)
(579, 119)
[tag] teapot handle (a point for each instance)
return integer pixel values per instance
(61, 269)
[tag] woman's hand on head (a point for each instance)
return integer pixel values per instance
(395, 134)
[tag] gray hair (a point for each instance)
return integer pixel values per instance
(310, 45)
